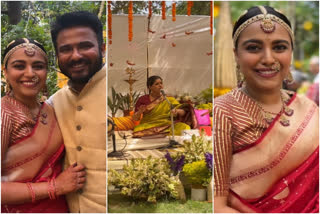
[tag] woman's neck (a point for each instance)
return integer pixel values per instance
(265, 97)
(154, 95)
(32, 103)
(269, 101)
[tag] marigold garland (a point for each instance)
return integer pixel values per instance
(163, 10)
(211, 18)
(109, 23)
(189, 6)
(130, 19)
(173, 11)
(150, 9)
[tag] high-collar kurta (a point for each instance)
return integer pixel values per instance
(82, 120)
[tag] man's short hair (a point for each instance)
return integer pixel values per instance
(75, 19)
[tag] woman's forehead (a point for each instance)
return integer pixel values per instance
(21, 55)
(255, 32)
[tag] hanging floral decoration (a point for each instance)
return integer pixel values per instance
(211, 18)
(163, 3)
(189, 6)
(150, 9)
(130, 19)
(109, 23)
(173, 11)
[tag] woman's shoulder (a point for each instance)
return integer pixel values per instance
(226, 100)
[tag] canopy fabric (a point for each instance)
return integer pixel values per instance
(180, 52)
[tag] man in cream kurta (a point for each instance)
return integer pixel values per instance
(80, 106)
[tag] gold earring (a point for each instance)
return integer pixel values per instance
(240, 77)
(289, 78)
(8, 87)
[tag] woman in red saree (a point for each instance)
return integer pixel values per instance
(32, 147)
(266, 146)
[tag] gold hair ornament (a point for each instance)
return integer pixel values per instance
(30, 50)
(266, 25)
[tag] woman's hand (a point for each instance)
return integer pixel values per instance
(142, 109)
(71, 179)
(178, 112)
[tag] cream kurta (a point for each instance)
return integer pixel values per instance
(82, 120)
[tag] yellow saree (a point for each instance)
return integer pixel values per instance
(156, 120)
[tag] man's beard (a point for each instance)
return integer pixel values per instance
(83, 80)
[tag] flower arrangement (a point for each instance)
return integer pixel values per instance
(189, 6)
(211, 18)
(176, 163)
(147, 179)
(173, 11)
(109, 22)
(163, 4)
(130, 19)
(150, 9)
(221, 91)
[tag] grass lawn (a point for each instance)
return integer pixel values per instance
(120, 204)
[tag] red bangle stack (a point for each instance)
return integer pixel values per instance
(32, 193)
(52, 189)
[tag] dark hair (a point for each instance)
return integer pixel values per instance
(74, 19)
(253, 11)
(152, 79)
(17, 42)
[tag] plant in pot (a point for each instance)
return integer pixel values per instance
(114, 102)
(125, 104)
(145, 179)
(199, 176)
(176, 163)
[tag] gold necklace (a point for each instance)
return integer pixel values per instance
(268, 116)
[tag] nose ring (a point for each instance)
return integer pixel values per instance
(35, 79)
(276, 66)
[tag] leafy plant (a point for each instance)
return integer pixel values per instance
(148, 179)
(197, 173)
(207, 95)
(114, 102)
(125, 104)
(195, 149)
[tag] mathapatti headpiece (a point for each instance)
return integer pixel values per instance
(267, 16)
(31, 46)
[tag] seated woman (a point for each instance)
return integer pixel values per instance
(31, 143)
(156, 112)
(266, 146)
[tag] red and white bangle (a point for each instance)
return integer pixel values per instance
(52, 189)
(32, 193)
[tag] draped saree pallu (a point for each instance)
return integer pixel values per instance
(279, 173)
(36, 158)
(156, 120)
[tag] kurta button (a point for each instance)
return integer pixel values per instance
(79, 148)
(78, 127)
(79, 108)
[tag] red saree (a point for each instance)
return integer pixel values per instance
(36, 158)
(279, 173)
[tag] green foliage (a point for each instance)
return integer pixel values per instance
(141, 7)
(119, 204)
(114, 102)
(125, 104)
(195, 149)
(147, 179)
(37, 16)
(197, 173)
(198, 8)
